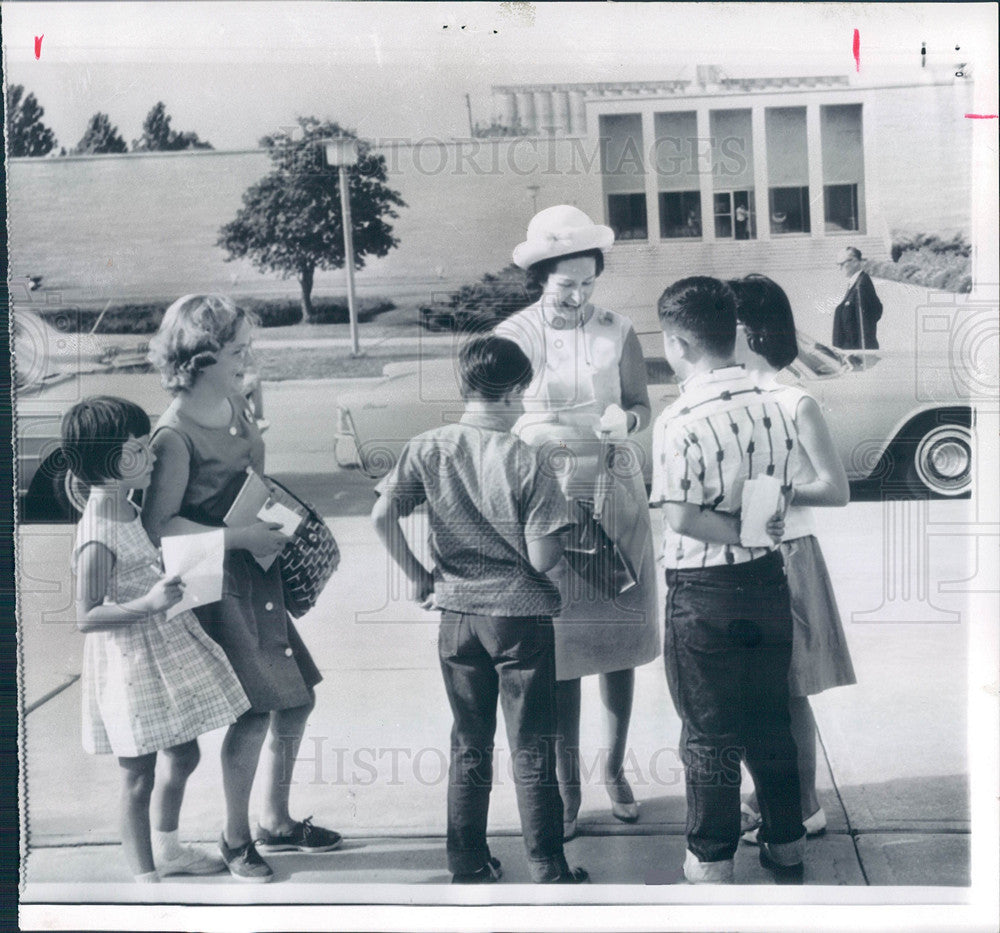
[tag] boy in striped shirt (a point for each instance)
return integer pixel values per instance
(728, 631)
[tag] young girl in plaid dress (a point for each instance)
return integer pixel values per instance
(150, 684)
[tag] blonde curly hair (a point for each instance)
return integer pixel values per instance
(193, 330)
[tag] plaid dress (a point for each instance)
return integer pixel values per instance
(154, 684)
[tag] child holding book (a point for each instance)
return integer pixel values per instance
(151, 683)
(728, 635)
(495, 522)
(204, 443)
(766, 344)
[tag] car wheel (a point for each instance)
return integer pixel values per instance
(48, 496)
(376, 462)
(934, 454)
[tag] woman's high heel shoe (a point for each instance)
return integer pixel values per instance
(626, 812)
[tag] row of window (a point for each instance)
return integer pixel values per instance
(735, 214)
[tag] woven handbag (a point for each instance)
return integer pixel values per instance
(309, 559)
(591, 552)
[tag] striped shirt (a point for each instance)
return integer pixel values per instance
(722, 431)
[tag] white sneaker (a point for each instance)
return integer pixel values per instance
(698, 872)
(189, 860)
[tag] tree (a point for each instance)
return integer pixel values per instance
(290, 222)
(100, 138)
(157, 136)
(26, 134)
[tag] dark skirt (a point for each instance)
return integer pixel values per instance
(251, 625)
(820, 659)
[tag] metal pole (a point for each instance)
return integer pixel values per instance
(345, 210)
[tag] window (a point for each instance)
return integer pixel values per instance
(680, 214)
(723, 208)
(790, 210)
(627, 216)
(842, 141)
(734, 215)
(841, 207)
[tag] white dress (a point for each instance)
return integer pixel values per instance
(153, 684)
(576, 376)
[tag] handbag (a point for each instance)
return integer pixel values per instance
(590, 551)
(309, 559)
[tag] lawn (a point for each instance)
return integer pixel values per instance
(280, 364)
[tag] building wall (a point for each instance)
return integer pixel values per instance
(920, 157)
(117, 227)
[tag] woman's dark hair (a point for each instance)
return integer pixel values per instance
(536, 275)
(703, 307)
(93, 432)
(490, 367)
(762, 307)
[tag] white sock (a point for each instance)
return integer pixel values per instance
(149, 877)
(166, 844)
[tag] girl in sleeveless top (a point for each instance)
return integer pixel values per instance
(765, 344)
(204, 443)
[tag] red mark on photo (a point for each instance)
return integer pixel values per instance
(38, 45)
(981, 116)
(857, 50)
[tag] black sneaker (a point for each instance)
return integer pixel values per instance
(244, 863)
(490, 873)
(569, 876)
(304, 837)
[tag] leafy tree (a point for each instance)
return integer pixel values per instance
(157, 136)
(290, 222)
(100, 138)
(26, 134)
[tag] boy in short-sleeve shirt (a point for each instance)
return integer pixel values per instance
(728, 632)
(495, 522)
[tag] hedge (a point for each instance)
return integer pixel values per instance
(928, 260)
(480, 305)
(145, 318)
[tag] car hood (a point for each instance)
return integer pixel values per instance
(431, 381)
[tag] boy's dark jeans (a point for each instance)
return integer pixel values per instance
(728, 644)
(483, 657)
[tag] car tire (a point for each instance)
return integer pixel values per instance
(376, 461)
(47, 499)
(932, 456)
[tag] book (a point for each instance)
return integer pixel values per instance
(254, 503)
(762, 498)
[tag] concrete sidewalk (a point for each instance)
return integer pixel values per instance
(893, 773)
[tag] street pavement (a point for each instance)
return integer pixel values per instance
(894, 763)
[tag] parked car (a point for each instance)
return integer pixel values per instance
(884, 434)
(52, 371)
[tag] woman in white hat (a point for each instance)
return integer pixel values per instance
(589, 378)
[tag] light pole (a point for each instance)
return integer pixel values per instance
(533, 191)
(342, 153)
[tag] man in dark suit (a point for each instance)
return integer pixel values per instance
(857, 315)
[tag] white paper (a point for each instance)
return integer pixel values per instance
(280, 514)
(761, 499)
(198, 560)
